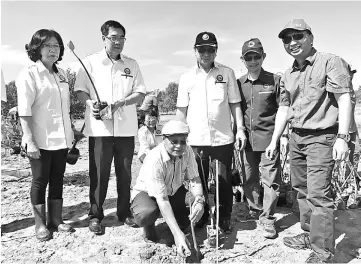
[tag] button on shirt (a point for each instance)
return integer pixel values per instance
(260, 101)
(45, 97)
(114, 80)
(207, 96)
(311, 90)
(160, 176)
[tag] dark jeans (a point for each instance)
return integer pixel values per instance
(146, 211)
(49, 168)
(311, 165)
(271, 179)
(224, 155)
(101, 153)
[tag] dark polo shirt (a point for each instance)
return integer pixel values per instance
(311, 90)
(260, 101)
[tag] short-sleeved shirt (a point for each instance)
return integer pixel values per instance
(207, 96)
(311, 90)
(45, 97)
(149, 100)
(260, 101)
(147, 140)
(160, 176)
(114, 80)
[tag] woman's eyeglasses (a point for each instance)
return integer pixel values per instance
(203, 50)
(252, 57)
(51, 46)
(296, 36)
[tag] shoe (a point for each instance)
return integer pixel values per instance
(268, 226)
(95, 226)
(129, 221)
(150, 234)
(55, 219)
(301, 241)
(226, 226)
(41, 231)
(314, 258)
(253, 215)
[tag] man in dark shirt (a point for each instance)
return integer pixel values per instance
(318, 86)
(260, 94)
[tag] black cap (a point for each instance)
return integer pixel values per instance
(206, 38)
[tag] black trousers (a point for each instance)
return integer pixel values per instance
(146, 211)
(311, 165)
(49, 168)
(101, 153)
(224, 155)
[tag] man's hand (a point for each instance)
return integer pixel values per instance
(93, 109)
(340, 149)
(284, 146)
(241, 139)
(117, 104)
(182, 244)
(270, 150)
(32, 149)
(197, 212)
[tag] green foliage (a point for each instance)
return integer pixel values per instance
(12, 98)
(168, 98)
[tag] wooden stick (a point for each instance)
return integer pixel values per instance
(198, 255)
(217, 207)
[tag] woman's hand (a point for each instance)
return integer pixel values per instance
(31, 148)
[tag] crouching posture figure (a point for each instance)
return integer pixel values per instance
(159, 187)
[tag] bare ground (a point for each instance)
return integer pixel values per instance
(123, 244)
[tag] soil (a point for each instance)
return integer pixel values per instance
(123, 244)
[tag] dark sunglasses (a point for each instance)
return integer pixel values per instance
(176, 142)
(203, 50)
(254, 57)
(296, 36)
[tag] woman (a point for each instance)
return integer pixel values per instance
(43, 107)
(146, 134)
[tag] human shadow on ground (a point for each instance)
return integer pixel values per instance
(288, 220)
(347, 235)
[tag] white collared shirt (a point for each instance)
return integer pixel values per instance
(45, 97)
(114, 80)
(207, 96)
(147, 140)
(160, 176)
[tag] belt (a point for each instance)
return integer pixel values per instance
(330, 130)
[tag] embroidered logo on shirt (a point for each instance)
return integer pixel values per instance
(266, 86)
(250, 44)
(127, 73)
(219, 79)
(62, 78)
(205, 37)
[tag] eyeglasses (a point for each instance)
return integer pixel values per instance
(52, 46)
(203, 50)
(252, 57)
(116, 39)
(176, 142)
(296, 36)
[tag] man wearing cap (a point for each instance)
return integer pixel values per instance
(207, 97)
(260, 92)
(318, 86)
(159, 186)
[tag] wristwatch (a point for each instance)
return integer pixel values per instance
(200, 199)
(345, 137)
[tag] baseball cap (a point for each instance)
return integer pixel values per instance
(206, 38)
(297, 24)
(254, 45)
(174, 127)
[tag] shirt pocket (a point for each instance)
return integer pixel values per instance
(315, 88)
(219, 91)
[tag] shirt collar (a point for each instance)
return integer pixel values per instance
(165, 155)
(215, 65)
(41, 67)
(105, 58)
(310, 59)
(261, 77)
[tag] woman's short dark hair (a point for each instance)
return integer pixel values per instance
(111, 23)
(37, 41)
(152, 111)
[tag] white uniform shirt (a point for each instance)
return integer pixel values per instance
(147, 140)
(207, 96)
(113, 81)
(160, 176)
(45, 97)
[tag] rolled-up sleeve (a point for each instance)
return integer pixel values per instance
(234, 96)
(338, 76)
(284, 95)
(183, 96)
(138, 84)
(155, 182)
(26, 90)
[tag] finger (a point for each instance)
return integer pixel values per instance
(334, 154)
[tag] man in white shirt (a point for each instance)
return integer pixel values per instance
(119, 82)
(160, 188)
(207, 97)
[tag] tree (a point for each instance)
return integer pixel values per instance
(12, 98)
(168, 98)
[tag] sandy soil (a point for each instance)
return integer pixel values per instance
(123, 244)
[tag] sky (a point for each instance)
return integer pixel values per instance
(161, 34)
